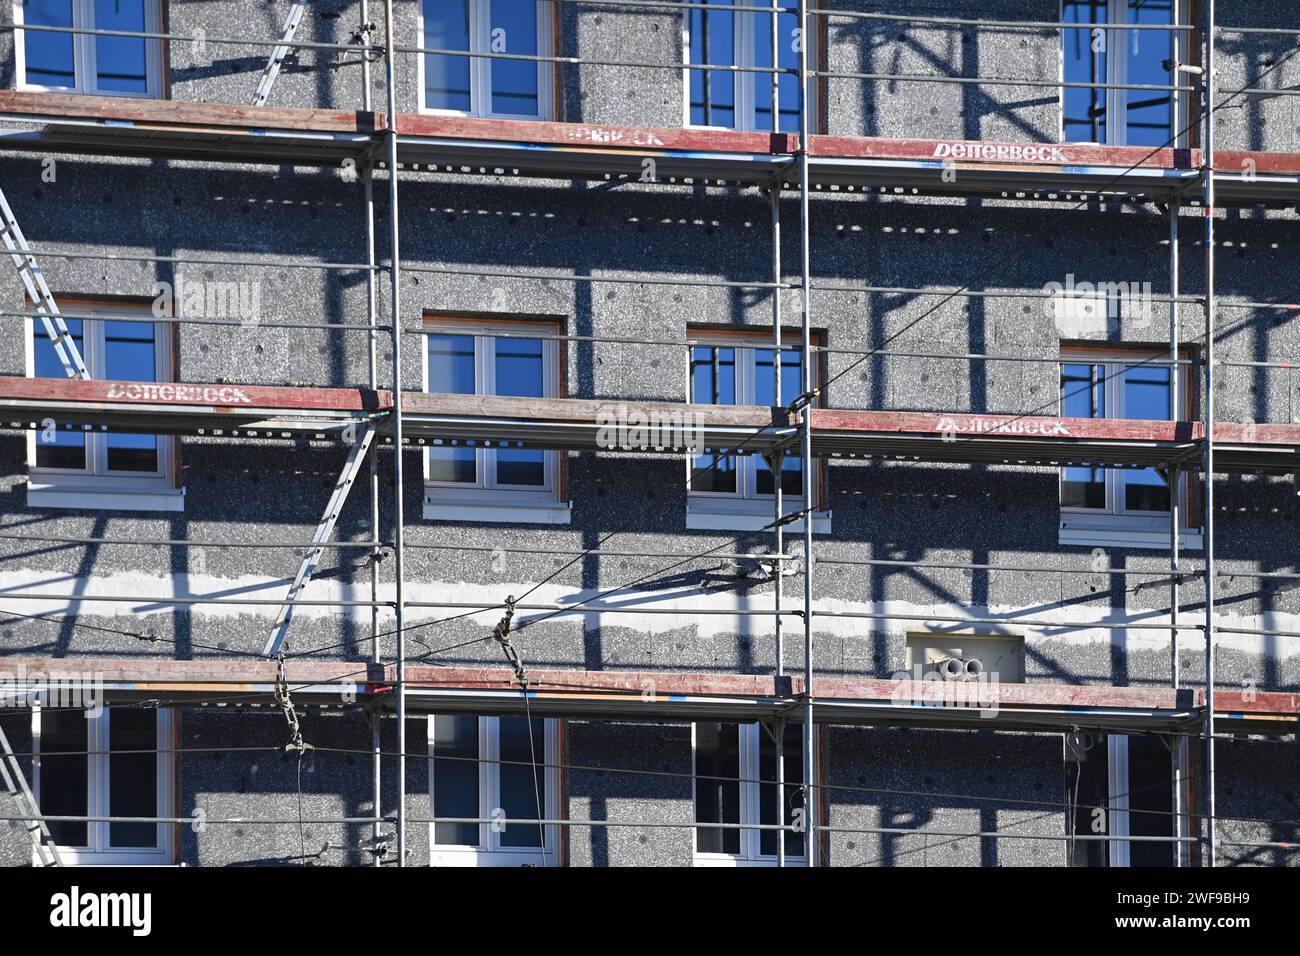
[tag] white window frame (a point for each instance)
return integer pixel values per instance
(750, 807)
(95, 486)
(1117, 72)
(480, 68)
(83, 53)
(485, 500)
(745, 509)
(490, 852)
(1114, 525)
(744, 37)
(98, 852)
(1118, 815)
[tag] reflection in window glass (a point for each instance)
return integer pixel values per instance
(717, 787)
(451, 370)
(133, 776)
(63, 449)
(713, 382)
(50, 57)
(131, 356)
(120, 62)
(1146, 396)
(713, 42)
(793, 760)
(455, 778)
(65, 768)
(446, 78)
(1149, 119)
(791, 385)
(520, 371)
(1083, 395)
(514, 82)
(521, 779)
(787, 59)
(1084, 56)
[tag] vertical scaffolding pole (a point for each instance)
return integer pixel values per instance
(372, 340)
(1175, 477)
(399, 607)
(777, 462)
(809, 473)
(1208, 465)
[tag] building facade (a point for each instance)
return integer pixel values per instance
(947, 280)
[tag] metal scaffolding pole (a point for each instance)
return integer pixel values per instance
(395, 277)
(1208, 467)
(376, 554)
(809, 472)
(777, 462)
(1175, 477)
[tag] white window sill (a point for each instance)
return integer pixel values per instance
(475, 857)
(440, 509)
(118, 499)
(1080, 534)
(727, 860)
(709, 517)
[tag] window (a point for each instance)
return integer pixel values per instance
(1125, 57)
(1120, 786)
(468, 482)
(114, 762)
(1126, 507)
(87, 62)
(734, 492)
(740, 100)
(91, 469)
(735, 783)
(482, 86)
(487, 768)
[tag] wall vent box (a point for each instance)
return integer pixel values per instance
(1002, 655)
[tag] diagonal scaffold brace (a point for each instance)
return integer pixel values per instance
(279, 53)
(364, 438)
(15, 784)
(38, 291)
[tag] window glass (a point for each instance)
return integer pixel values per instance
(717, 755)
(131, 356)
(713, 382)
(455, 778)
(120, 62)
(1083, 395)
(50, 59)
(1146, 396)
(447, 78)
(1084, 56)
(65, 769)
(787, 59)
(1150, 112)
(132, 776)
(1150, 800)
(451, 370)
(514, 82)
(793, 761)
(64, 448)
(520, 371)
(713, 42)
(791, 386)
(521, 779)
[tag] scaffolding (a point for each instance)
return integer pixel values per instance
(779, 163)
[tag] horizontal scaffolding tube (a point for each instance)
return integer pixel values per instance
(191, 320)
(190, 38)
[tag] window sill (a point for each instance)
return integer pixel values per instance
(118, 499)
(1189, 539)
(727, 860)
(439, 509)
(475, 857)
(708, 517)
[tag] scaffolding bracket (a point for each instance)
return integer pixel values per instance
(39, 293)
(278, 54)
(351, 468)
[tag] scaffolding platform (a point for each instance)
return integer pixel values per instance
(106, 125)
(251, 411)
